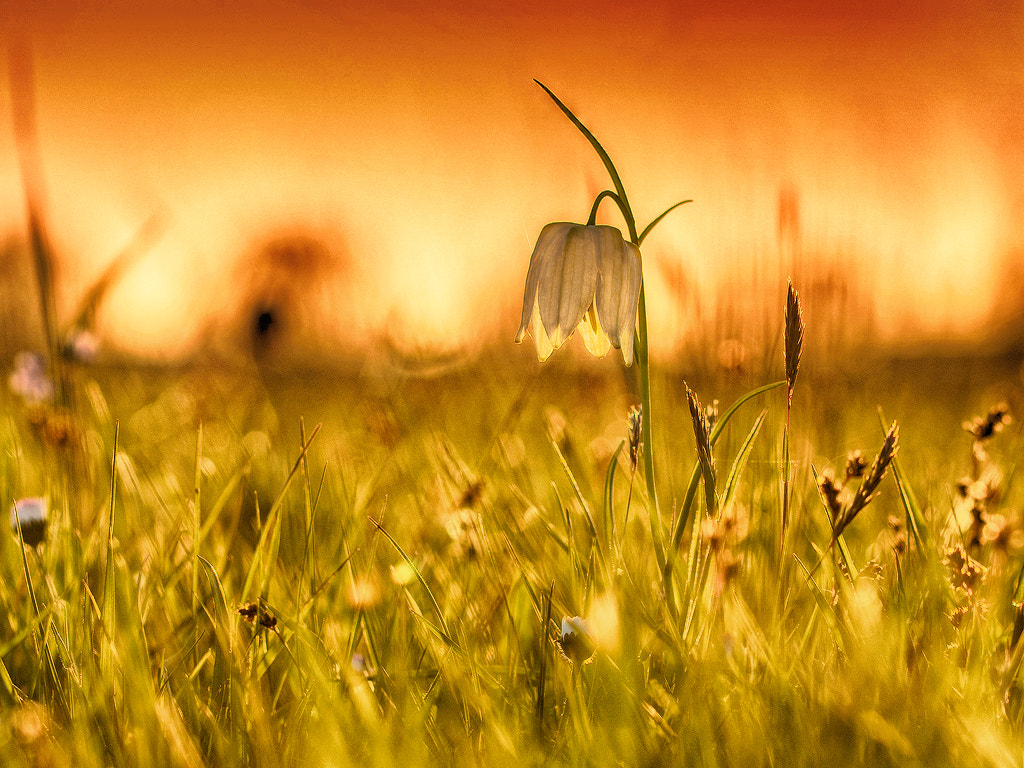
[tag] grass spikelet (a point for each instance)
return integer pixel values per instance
(794, 336)
(702, 433)
(793, 349)
(868, 488)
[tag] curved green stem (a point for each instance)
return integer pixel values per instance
(627, 211)
(597, 204)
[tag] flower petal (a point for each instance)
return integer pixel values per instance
(548, 249)
(567, 287)
(618, 294)
(540, 337)
(594, 337)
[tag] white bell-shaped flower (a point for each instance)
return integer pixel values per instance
(586, 277)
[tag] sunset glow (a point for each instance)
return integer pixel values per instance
(411, 141)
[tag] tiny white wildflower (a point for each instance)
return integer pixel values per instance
(576, 641)
(32, 512)
(29, 380)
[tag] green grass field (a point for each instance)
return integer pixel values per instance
(340, 569)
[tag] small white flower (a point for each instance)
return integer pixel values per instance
(576, 641)
(575, 625)
(586, 277)
(82, 345)
(32, 512)
(29, 380)
(359, 664)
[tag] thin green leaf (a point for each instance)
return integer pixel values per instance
(839, 633)
(609, 489)
(27, 630)
(916, 521)
(106, 651)
(695, 475)
(266, 547)
(666, 212)
(741, 460)
(838, 540)
(579, 497)
(627, 212)
(443, 625)
(723, 420)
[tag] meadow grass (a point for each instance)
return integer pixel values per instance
(338, 569)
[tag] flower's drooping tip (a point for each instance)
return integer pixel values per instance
(586, 277)
(32, 513)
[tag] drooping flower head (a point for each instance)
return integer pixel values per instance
(575, 641)
(30, 512)
(586, 277)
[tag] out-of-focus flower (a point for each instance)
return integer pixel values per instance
(32, 730)
(362, 594)
(29, 380)
(402, 574)
(360, 665)
(732, 355)
(586, 277)
(576, 642)
(81, 345)
(983, 427)
(32, 513)
(464, 533)
(1003, 534)
(964, 570)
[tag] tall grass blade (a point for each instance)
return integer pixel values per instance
(916, 521)
(740, 462)
(26, 131)
(716, 431)
(270, 532)
(222, 629)
(657, 220)
(610, 532)
(109, 585)
(442, 626)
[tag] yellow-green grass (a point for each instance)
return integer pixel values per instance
(333, 569)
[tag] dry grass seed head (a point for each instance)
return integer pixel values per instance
(830, 490)
(635, 420)
(867, 490)
(702, 434)
(963, 569)
(855, 465)
(869, 485)
(794, 335)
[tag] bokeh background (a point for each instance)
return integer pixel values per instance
(373, 176)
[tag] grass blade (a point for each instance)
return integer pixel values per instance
(738, 464)
(442, 628)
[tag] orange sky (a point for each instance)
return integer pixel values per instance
(411, 137)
